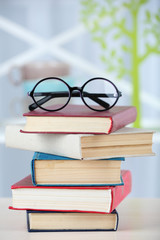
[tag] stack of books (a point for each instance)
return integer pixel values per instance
(76, 180)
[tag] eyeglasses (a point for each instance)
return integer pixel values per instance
(53, 94)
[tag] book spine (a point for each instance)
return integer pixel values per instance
(117, 223)
(123, 118)
(33, 172)
(28, 221)
(120, 192)
(46, 156)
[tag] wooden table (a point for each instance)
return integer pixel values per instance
(139, 219)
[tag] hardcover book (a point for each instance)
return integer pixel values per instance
(26, 196)
(125, 142)
(79, 119)
(48, 169)
(48, 221)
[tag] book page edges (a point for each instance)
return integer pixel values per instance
(84, 227)
(95, 125)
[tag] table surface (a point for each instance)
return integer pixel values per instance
(138, 219)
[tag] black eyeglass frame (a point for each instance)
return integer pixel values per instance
(71, 89)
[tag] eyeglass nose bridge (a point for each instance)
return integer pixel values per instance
(79, 89)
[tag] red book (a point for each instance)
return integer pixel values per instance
(72, 199)
(79, 119)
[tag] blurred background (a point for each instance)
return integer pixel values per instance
(78, 40)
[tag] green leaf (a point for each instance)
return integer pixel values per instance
(157, 17)
(96, 26)
(111, 68)
(121, 73)
(84, 2)
(117, 35)
(124, 48)
(123, 21)
(127, 5)
(96, 39)
(103, 59)
(101, 41)
(103, 44)
(148, 15)
(143, 1)
(113, 53)
(102, 12)
(120, 60)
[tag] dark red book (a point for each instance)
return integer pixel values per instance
(79, 119)
(26, 196)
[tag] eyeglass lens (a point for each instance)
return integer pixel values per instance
(51, 94)
(99, 94)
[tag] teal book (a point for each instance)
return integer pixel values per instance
(53, 170)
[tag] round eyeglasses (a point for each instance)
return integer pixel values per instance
(53, 94)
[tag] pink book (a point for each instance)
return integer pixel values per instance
(79, 119)
(100, 199)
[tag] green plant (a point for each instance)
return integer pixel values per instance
(116, 23)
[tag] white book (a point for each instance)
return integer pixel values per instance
(126, 142)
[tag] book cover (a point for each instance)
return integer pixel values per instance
(95, 170)
(132, 142)
(45, 156)
(79, 119)
(49, 221)
(111, 196)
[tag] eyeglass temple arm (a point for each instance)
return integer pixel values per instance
(93, 97)
(40, 102)
(49, 96)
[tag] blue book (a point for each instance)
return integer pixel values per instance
(53, 170)
(49, 221)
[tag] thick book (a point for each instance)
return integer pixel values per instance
(79, 119)
(26, 196)
(125, 142)
(48, 169)
(48, 221)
